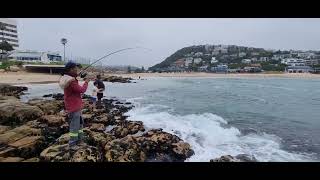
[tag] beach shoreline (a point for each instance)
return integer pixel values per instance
(16, 78)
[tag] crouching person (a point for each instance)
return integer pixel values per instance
(73, 101)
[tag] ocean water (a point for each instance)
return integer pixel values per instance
(273, 119)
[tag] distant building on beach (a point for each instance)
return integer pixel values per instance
(35, 56)
(10, 32)
(299, 69)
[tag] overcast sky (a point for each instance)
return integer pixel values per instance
(94, 38)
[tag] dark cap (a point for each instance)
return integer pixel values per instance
(71, 65)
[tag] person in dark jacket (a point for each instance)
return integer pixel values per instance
(101, 88)
(73, 101)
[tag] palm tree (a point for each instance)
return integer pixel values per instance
(64, 42)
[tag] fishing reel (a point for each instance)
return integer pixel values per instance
(83, 74)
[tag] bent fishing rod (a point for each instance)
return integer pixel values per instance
(84, 74)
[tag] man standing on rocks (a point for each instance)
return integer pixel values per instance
(73, 101)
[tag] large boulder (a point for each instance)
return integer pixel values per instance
(9, 90)
(97, 139)
(127, 149)
(127, 127)
(29, 146)
(13, 112)
(154, 145)
(117, 79)
(80, 153)
(18, 133)
(97, 127)
(48, 106)
(53, 120)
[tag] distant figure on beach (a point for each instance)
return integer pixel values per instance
(73, 101)
(101, 88)
(139, 77)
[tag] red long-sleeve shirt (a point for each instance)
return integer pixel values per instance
(72, 96)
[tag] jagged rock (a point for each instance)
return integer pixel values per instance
(117, 79)
(182, 149)
(61, 153)
(48, 106)
(64, 139)
(11, 159)
(238, 158)
(4, 129)
(105, 119)
(127, 149)
(87, 153)
(226, 158)
(98, 139)
(246, 158)
(55, 153)
(8, 90)
(28, 146)
(154, 145)
(58, 96)
(97, 127)
(127, 127)
(13, 112)
(17, 133)
(53, 120)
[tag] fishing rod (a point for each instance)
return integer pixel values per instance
(84, 74)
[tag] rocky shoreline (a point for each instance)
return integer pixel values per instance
(37, 131)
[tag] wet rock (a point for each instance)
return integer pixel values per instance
(9, 90)
(116, 79)
(53, 120)
(238, 158)
(55, 153)
(97, 139)
(246, 158)
(58, 96)
(127, 149)
(11, 159)
(48, 106)
(226, 158)
(127, 127)
(61, 153)
(104, 119)
(13, 112)
(63, 139)
(182, 149)
(97, 127)
(4, 129)
(28, 146)
(18, 133)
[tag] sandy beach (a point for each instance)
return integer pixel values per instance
(35, 78)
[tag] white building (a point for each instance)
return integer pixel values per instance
(197, 60)
(306, 55)
(242, 54)
(188, 61)
(263, 59)
(198, 54)
(35, 56)
(294, 62)
(10, 32)
(214, 60)
(246, 61)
